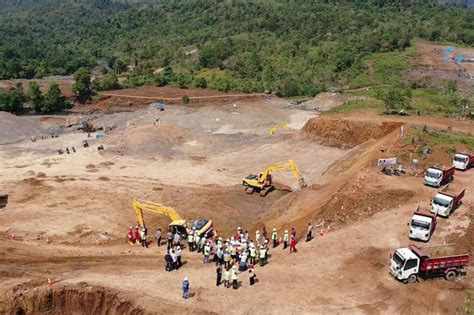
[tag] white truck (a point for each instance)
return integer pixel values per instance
(409, 264)
(463, 161)
(422, 225)
(435, 176)
(443, 204)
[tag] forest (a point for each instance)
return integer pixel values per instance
(297, 47)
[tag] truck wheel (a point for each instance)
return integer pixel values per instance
(451, 275)
(412, 278)
(249, 190)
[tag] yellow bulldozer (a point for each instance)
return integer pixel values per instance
(203, 227)
(263, 183)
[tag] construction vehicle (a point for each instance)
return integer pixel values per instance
(263, 182)
(3, 200)
(436, 176)
(203, 227)
(463, 161)
(409, 264)
(278, 126)
(422, 225)
(443, 204)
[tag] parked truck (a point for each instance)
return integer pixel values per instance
(435, 176)
(422, 225)
(443, 204)
(463, 161)
(409, 264)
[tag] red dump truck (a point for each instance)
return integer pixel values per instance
(435, 176)
(443, 204)
(407, 264)
(463, 161)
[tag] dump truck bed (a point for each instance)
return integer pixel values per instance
(440, 257)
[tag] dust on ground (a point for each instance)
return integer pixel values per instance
(68, 214)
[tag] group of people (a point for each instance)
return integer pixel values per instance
(137, 236)
(237, 254)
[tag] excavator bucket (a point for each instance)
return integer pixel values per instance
(302, 183)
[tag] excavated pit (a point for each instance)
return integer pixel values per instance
(70, 300)
(343, 133)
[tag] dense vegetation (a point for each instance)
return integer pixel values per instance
(292, 47)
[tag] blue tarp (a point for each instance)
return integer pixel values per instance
(459, 59)
(449, 49)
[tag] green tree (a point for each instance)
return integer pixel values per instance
(185, 99)
(82, 86)
(396, 98)
(109, 82)
(12, 100)
(200, 83)
(54, 101)
(35, 96)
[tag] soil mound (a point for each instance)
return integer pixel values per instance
(324, 102)
(72, 300)
(149, 139)
(14, 128)
(342, 133)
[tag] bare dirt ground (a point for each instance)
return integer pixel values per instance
(138, 98)
(65, 83)
(68, 214)
(435, 65)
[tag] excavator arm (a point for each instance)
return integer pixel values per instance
(140, 205)
(278, 167)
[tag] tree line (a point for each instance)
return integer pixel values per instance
(290, 47)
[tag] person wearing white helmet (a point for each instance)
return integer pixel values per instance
(275, 237)
(257, 237)
(185, 288)
(234, 278)
(179, 253)
(286, 239)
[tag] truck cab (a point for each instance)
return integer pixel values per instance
(444, 204)
(404, 265)
(422, 226)
(433, 177)
(462, 161)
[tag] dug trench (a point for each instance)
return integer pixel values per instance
(69, 299)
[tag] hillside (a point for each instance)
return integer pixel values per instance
(295, 48)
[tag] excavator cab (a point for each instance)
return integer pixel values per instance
(263, 182)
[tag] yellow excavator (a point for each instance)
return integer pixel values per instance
(278, 126)
(201, 226)
(263, 182)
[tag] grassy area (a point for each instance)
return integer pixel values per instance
(434, 137)
(356, 105)
(468, 306)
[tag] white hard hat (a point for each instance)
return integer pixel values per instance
(239, 228)
(286, 231)
(274, 229)
(185, 278)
